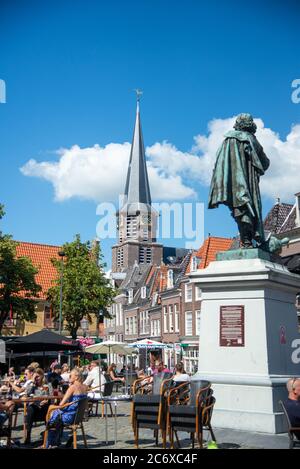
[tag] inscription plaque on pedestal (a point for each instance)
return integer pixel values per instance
(232, 326)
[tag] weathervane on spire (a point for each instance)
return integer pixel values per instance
(138, 94)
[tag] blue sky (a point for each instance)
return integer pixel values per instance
(70, 68)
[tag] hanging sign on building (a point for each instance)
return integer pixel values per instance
(232, 326)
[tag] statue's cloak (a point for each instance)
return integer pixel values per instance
(235, 182)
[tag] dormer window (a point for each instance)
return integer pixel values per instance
(130, 296)
(154, 299)
(144, 292)
(170, 281)
(194, 264)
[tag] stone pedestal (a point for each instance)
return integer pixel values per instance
(250, 362)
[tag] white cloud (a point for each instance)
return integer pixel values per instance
(280, 180)
(99, 173)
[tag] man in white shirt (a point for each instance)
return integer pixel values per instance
(93, 380)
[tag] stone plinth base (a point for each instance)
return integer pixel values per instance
(249, 372)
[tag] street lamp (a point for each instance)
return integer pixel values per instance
(61, 255)
(84, 324)
(100, 321)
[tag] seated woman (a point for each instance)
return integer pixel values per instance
(180, 374)
(37, 411)
(112, 373)
(61, 415)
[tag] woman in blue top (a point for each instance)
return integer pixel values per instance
(65, 415)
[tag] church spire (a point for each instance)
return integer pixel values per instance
(137, 188)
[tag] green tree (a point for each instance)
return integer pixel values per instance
(85, 290)
(18, 288)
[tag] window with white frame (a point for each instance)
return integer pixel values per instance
(188, 292)
(171, 327)
(117, 314)
(165, 319)
(120, 314)
(170, 280)
(158, 327)
(198, 293)
(176, 313)
(135, 325)
(188, 323)
(130, 295)
(144, 292)
(144, 322)
(155, 328)
(141, 322)
(154, 299)
(127, 326)
(194, 264)
(198, 321)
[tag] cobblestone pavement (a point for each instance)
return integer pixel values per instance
(96, 435)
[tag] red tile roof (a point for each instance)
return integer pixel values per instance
(40, 255)
(209, 249)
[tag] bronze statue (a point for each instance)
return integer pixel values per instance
(240, 163)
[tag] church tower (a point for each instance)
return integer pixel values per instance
(136, 220)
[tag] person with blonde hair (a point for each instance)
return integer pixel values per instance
(34, 365)
(65, 372)
(64, 413)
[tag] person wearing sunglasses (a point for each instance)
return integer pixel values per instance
(292, 404)
(25, 388)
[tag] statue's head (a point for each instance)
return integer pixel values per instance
(245, 122)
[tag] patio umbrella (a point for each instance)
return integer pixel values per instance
(147, 344)
(108, 347)
(42, 341)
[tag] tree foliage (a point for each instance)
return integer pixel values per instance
(85, 290)
(18, 288)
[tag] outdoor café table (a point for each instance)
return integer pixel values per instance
(113, 400)
(28, 400)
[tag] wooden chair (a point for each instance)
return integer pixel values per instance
(77, 423)
(148, 410)
(190, 411)
(294, 441)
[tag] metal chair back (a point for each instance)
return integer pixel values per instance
(293, 432)
(195, 387)
(81, 409)
(108, 388)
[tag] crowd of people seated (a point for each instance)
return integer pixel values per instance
(89, 381)
(33, 382)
